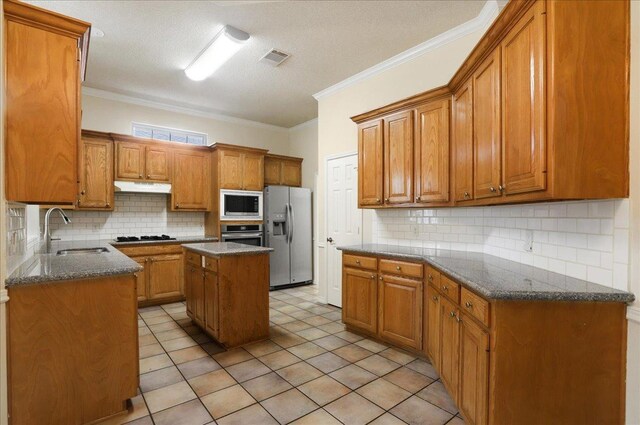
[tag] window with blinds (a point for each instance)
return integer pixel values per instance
(169, 134)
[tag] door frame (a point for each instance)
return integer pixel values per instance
(324, 289)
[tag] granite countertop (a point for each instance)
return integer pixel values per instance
(497, 278)
(45, 268)
(220, 249)
(180, 240)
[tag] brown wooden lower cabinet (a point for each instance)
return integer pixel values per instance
(229, 297)
(502, 361)
(72, 350)
(162, 279)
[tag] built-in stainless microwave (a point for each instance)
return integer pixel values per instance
(240, 205)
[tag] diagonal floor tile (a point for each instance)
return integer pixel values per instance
(159, 378)
(189, 413)
(416, 411)
(327, 362)
(330, 342)
(408, 379)
(317, 417)
(198, 367)
(383, 393)
(247, 370)
(289, 406)
(306, 350)
(266, 386)
(231, 357)
(324, 390)
(168, 396)
(211, 382)
(262, 348)
(299, 373)
(279, 359)
(437, 395)
(226, 401)
(252, 415)
(353, 376)
(353, 409)
(352, 353)
(152, 363)
(378, 365)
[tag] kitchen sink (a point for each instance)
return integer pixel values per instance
(98, 250)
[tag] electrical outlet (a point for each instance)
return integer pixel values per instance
(528, 241)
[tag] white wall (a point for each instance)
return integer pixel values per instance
(303, 143)
(102, 114)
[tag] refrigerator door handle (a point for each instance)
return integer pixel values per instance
(287, 220)
(292, 225)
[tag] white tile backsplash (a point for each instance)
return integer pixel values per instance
(587, 239)
(135, 214)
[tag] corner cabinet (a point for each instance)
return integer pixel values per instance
(96, 172)
(191, 183)
(45, 57)
(518, 111)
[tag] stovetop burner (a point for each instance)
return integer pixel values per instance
(145, 238)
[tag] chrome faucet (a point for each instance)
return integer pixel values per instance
(47, 229)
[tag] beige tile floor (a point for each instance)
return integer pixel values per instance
(311, 371)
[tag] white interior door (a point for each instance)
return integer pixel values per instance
(344, 219)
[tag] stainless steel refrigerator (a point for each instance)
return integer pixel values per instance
(287, 211)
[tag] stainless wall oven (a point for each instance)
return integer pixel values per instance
(250, 234)
(240, 205)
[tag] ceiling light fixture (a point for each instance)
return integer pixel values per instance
(223, 46)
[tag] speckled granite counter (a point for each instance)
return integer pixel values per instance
(187, 239)
(45, 268)
(497, 278)
(221, 249)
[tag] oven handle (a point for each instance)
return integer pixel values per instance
(242, 235)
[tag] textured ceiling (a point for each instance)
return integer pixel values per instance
(147, 45)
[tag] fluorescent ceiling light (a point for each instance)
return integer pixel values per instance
(223, 46)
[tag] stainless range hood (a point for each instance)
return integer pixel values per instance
(142, 187)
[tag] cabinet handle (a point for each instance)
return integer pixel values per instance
(398, 267)
(357, 261)
(378, 200)
(82, 192)
(417, 198)
(468, 304)
(373, 276)
(492, 189)
(444, 288)
(430, 278)
(452, 314)
(435, 298)
(386, 199)
(501, 188)
(466, 194)
(458, 319)
(381, 278)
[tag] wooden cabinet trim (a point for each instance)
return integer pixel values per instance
(432, 152)
(398, 158)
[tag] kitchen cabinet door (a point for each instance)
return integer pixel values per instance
(449, 346)
(211, 304)
(360, 299)
(474, 372)
(96, 175)
(370, 163)
(462, 132)
(292, 173)
(432, 152)
(158, 164)
(231, 169)
(130, 161)
(165, 276)
(272, 171)
(252, 171)
(41, 86)
(400, 311)
(141, 278)
(189, 273)
(523, 104)
(486, 128)
(432, 343)
(197, 292)
(398, 158)
(191, 186)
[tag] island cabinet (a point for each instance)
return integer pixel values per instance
(383, 298)
(282, 170)
(228, 296)
(45, 58)
(491, 353)
(518, 111)
(96, 172)
(161, 280)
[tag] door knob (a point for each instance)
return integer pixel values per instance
(330, 240)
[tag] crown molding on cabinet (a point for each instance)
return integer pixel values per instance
(104, 94)
(482, 21)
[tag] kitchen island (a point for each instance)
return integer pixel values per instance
(227, 290)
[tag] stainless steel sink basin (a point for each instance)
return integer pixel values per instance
(98, 250)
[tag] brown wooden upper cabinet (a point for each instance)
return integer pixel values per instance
(282, 170)
(431, 176)
(45, 56)
(191, 183)
(463, 142)
(140, 161)
(370, 163)
(96, 171)
(240, 168)
(523, 126)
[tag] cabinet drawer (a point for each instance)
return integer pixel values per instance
(160, 249)
(433, 277)
(361, 262)
(474, 305)
(449, 288)
(211, 264)
(401, 268)
(193, 258)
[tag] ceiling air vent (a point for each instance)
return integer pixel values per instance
(274, 57)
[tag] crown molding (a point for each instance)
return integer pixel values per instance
(303, 125)
(486, 16)
(108, 95)
(633, 313)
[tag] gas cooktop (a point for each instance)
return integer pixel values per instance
(145, 238)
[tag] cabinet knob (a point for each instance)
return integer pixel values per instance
(381, 278)
(458, 319)
(444, 288)
(386, 199)
(398, 268)
(430, 278)
(452, 314)
(177, 205)
(435, 298)
(466, 194)
(139, 176)
(501, 188)
(148, 176)
(492, 189)
(107, 205)
(357, 261)
(373, 276)
(82, 192)
(468, 304)
(417, 198)
(378, 200)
